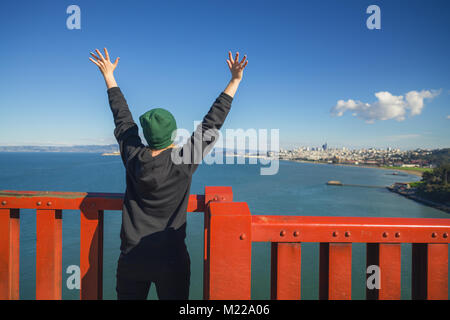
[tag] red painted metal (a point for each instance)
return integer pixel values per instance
(49, 206)
(387, 257)
(218, 194)
(229, 251)
(212, 194)
(9, 254)
(229, 231)
(429, 271)
(349, 229)
(91, 253)
(437, 277)
(335, 275)
(74, 200)
(285, 271)
(48, 254)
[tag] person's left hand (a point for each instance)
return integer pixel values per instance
(104, 63)
(236, 67)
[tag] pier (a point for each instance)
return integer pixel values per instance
(338, 183)
(229, 231)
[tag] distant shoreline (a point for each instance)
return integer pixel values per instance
(412, 172)
(413, 196)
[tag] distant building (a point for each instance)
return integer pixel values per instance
(325, 146)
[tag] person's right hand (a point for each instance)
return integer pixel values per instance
(236, 67)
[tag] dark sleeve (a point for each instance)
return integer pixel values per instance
(205, 136)
(126, 131)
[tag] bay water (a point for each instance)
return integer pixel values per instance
(297, 189)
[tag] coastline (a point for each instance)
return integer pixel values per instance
(416, 173)
(411, 196)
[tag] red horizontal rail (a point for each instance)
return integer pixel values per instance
(75, 200)
(349, 229)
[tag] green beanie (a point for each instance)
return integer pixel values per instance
(158, 125)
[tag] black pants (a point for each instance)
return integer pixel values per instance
(166, 265)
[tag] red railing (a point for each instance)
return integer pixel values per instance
(229, 230)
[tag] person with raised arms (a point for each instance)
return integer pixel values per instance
(153, 230)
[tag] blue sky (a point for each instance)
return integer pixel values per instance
(304, 56)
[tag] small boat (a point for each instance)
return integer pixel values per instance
(334, 183)
(115, 153)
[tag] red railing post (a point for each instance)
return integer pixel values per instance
(48, 254)
(335, 274)
(386, 256)
(429, 271)
(211, 194)
(285, 280)
(91, 252)
(229, 244)
(9, 254)
(437, 278)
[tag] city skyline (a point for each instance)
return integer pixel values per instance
(315, 72)
(320, 148)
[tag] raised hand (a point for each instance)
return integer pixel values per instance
(236, 67)
(106, 67)
(104, 63)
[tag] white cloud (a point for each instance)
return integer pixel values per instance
(386, 107)
(448, 117)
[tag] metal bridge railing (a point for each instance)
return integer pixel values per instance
(229, 230)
